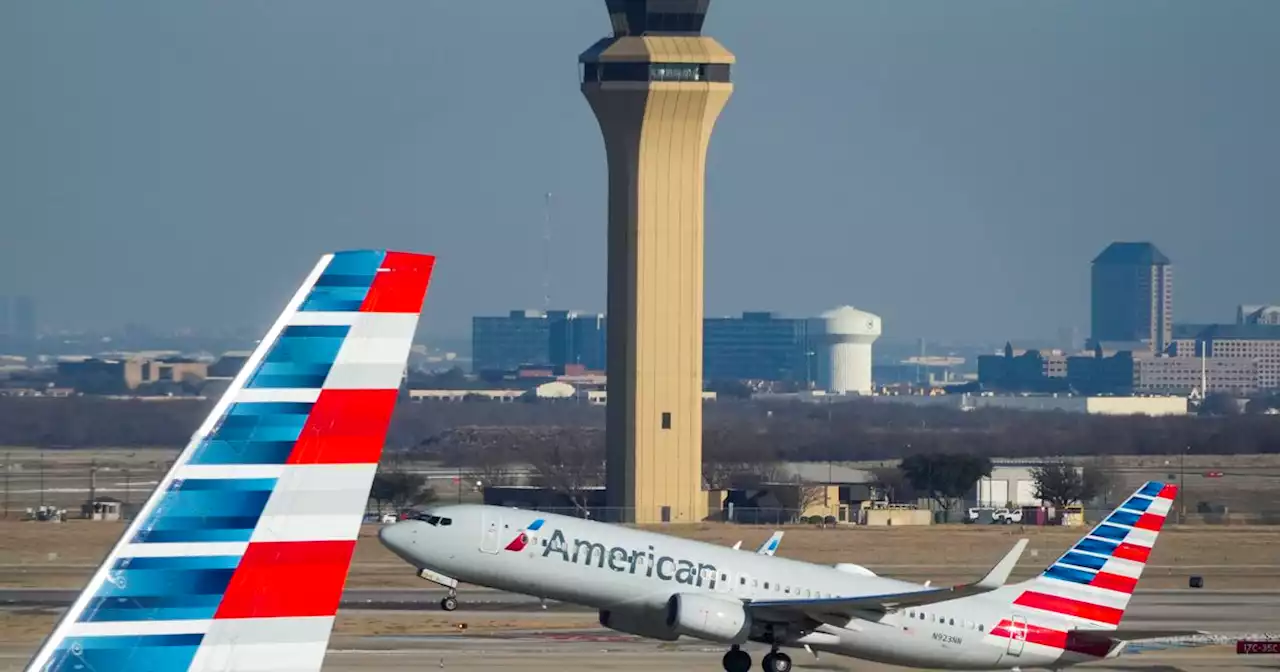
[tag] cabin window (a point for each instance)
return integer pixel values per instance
(766, 585)
(742, 580)
(952, 622)
(666, 421)
(724, 578)
(981, 628)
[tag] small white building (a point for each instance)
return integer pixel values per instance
(843, 339)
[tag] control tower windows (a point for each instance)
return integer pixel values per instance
(655, 72)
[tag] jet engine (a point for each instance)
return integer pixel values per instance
(643, 622)
(708, 618)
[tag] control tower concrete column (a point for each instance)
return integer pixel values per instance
(657, 86)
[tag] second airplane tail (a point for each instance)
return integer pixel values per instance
(1092, 583)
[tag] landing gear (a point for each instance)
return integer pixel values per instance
(776, 661)
(737, 660)
(449, 603)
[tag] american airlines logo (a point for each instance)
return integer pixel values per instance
(648, 563)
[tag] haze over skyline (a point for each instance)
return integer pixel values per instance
(952, 168)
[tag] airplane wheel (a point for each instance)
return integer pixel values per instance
(737, 660)
(449, 603)
(776, 662)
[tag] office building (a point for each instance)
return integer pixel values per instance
(525, 338)
(577, 338)
(520, 338)
(656, 86)
(1132, 297)
(757, 346)
(1254, 342)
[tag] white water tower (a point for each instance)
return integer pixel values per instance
(842, 341)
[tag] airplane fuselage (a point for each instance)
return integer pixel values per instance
(631, 575)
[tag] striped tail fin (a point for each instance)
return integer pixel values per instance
(238, 560)
(1090, 585)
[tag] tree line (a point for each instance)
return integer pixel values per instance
(735, 432)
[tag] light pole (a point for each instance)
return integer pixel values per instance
(1182, 486)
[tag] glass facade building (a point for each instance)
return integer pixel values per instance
(536, 338)
(756, 346)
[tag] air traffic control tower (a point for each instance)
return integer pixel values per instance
(656, 86)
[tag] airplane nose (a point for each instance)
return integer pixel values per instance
(399, 538)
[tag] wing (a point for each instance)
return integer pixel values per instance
(238, 559)
(792, 610)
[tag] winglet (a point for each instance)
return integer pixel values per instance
(770, 545)
(1000, 573)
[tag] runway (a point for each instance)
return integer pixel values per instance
(541, 646)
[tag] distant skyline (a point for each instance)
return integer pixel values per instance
(951, 167)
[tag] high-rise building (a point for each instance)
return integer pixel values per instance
(656, 86)
(537, 338)
(1132, 296)
(577, 338)
(521, 338)
(756, 346)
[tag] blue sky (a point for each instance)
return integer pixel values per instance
(950, 166)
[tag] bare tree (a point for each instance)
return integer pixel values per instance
(1060, 483)
(568, 460)
(1100, 479)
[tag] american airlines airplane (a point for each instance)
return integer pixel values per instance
(238, 560)
(664, 587)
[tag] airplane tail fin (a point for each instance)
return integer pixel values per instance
(1092, 583)
(238, 559)
(770, 545)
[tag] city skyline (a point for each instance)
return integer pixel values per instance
(1003, 146)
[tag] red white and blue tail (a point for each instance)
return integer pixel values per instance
(1090, 585)
(238, 559)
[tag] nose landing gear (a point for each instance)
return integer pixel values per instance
(449, 603)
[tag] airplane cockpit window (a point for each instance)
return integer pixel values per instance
(435, 521)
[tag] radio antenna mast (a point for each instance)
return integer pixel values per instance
(546, 252)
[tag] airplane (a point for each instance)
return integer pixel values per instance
(238, 559)
(662, 587)
(769, 547)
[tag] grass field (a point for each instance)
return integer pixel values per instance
(62, 555)
(44, 555)
(1249, 484)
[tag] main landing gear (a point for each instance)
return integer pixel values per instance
(737, 660)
